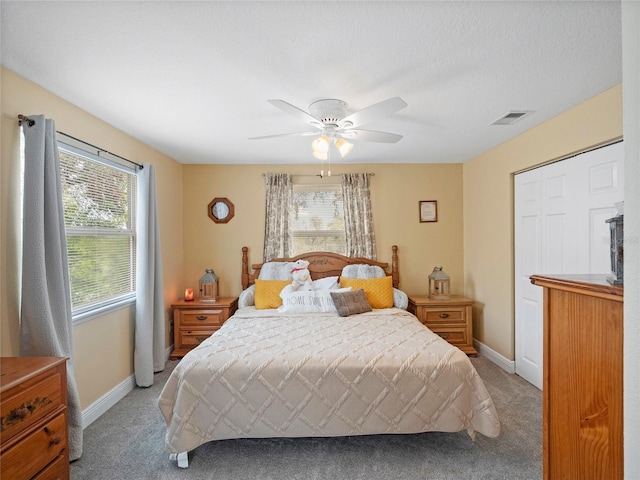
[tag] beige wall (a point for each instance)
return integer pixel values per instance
(472, 239)
(103, 347)
(488, 206)
(395, 193)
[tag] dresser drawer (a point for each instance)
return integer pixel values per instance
(34, 452)
(444, 317)
(22, 409)
(197, 318)
(58, 470)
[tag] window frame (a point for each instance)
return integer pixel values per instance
(78, 148)
(335, 187)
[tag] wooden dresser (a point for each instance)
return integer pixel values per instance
(194, 322)
(33, 430)
(451, 319)
(582, 396)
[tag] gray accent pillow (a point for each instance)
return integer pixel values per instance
(350, 302)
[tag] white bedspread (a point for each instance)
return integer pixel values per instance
(265, 374)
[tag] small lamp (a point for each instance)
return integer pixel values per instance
(439, 284)
(188, 295)
(209, 286)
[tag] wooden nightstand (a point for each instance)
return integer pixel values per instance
(194, 322)
(451, 319)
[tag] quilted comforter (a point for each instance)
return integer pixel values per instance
(267, 374)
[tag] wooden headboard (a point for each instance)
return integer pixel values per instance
(321, 264)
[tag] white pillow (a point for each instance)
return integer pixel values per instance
(400, 299)
(362, 270)
(276, 271)
(326, 283)
(308, 301)
(247, 297)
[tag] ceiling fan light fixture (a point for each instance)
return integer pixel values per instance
(343, 146)
(320, 155)
(320, 145)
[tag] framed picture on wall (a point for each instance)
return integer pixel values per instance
(428, 210)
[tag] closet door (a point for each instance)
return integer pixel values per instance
(559, 227)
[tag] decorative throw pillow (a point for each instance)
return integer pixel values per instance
(379, 291)
(268, 293)
(350, 302)
(307, 301)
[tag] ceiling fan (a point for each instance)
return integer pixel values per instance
(328, 118)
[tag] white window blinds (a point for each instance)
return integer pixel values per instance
(99, 209)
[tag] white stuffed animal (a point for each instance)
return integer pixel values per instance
(301, 276)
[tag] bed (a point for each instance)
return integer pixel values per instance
(302, 369)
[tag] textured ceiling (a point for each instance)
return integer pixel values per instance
(192, 79)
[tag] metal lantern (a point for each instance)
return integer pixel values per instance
(209, 286)
(439, 284)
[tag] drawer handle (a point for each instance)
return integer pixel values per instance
(201, 339)
(444, 335)
(56, 439)
(444, 315)
(202, 317)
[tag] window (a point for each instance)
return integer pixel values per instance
(98, 197)
(317, 221)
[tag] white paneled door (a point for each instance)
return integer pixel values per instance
(559, 227)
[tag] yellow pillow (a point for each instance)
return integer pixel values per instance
(379, 291)
(268, 293)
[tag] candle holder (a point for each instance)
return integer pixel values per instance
(188, 295)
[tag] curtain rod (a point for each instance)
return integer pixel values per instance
(311, 175)
(30, 123)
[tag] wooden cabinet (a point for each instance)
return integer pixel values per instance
(451, 319)
(194, 322)
(582, 382)
(33, 429)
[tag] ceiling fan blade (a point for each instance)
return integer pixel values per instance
(371, 136)
(299, 134)
(372, 112)
(296, 112)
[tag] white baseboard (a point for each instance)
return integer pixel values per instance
(503, 362)
(108, 400)
(113, 396)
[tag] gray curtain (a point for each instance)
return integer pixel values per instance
(149, 339)
(45, 312)
(358, 219)
(277, 228)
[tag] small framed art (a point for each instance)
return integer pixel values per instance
(428, 211)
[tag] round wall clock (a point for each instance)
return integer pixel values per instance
(220, 210)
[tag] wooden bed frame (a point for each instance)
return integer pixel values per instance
(321, 264)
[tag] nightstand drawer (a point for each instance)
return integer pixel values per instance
(455, 336)
(196, 318)
(449, 316)
(192, 338)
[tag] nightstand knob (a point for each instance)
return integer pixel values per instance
(444, 315)
(201, 317)
(444, 335)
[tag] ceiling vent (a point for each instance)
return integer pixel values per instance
(511, 117)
